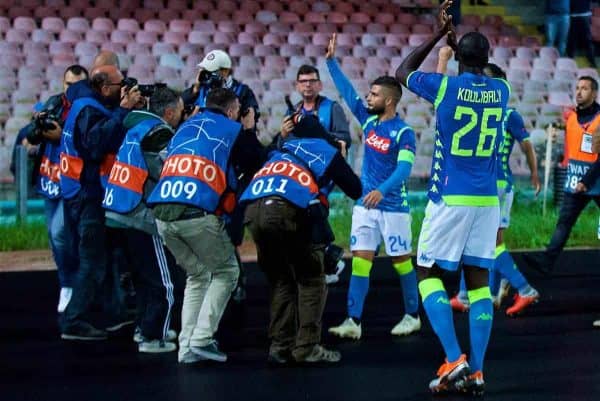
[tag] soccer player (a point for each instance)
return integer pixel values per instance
(462, 216)
(383, 209)
(505, 269)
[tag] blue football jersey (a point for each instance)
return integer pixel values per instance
(514, 130)
(386, 143)
(470, 112)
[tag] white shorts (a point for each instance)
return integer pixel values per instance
(506, 201)
(369, 225)
(454, 234)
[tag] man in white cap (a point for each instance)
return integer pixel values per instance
(216, 72)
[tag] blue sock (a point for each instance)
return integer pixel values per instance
(507, 267)
(481, 316)
(359, 286)
(408, 281)
(439, 312)
(494, 282)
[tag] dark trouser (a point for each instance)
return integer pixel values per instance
(580, 35)
(84, 219)
(570, 210)
(294, 269)
(152, 265)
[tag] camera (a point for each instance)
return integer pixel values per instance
(45, 119)
(211, 79)
(145, 90)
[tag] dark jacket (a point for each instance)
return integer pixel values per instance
(95, 136)
(246, 97)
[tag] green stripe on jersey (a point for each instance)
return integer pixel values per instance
(471, 200)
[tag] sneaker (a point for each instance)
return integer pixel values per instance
(522, 302)
(458, 304)
(348, 329)
(210, 352)
(596, 323)
(448, 374)
(472, 384)
(321, 354)
(138, 337)
(190, 357)
(502, 293)
(407, 325)
(64, 298)
(280, 357)
(85, 332)
(156, 346)
(118, 324)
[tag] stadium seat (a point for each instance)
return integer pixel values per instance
(26, 24)
(265, 17)
(255, 27)
(56, 47)
(103, 25)
(52, 24)
(205, 26)
(42, 36)
(78, 24)
(160, 48)
(70, 36)
(289, 17)
(181, 26)
(16, 36)
(176, 38)
(549, 53)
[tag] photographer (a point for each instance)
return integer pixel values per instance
(216, 72)
(133, 177)
(45, 132)
(196, 188)
(92, 134)
(285, 212)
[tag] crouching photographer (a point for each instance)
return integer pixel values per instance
(286, 215)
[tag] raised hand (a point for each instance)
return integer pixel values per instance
(331, 47)
(444, 20)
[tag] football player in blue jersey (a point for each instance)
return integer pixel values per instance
(462, 216)
(383, 209)
(505, 269)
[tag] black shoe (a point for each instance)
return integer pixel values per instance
(118, 324)
(84, 332)
(280, 358)
(538, 262)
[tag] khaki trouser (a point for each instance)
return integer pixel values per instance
(294, 269)
(202, 247)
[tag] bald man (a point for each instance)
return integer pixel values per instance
(91, 136)
(106, 57)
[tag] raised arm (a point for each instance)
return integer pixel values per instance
(343, 85)
(413, 60)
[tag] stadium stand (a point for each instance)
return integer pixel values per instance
(267, 40)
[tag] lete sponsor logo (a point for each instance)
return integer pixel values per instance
(379, 144)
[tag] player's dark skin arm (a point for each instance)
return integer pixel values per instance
(416, 57)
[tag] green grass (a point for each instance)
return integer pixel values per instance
(528, 229)
(14, 237)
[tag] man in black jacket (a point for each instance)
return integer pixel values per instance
(92, 134)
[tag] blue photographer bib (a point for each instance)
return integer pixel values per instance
(125, 187)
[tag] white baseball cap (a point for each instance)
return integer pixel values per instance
(215, 60)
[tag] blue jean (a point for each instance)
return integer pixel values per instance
(84, 219)
(557, 31)
(61, 251)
